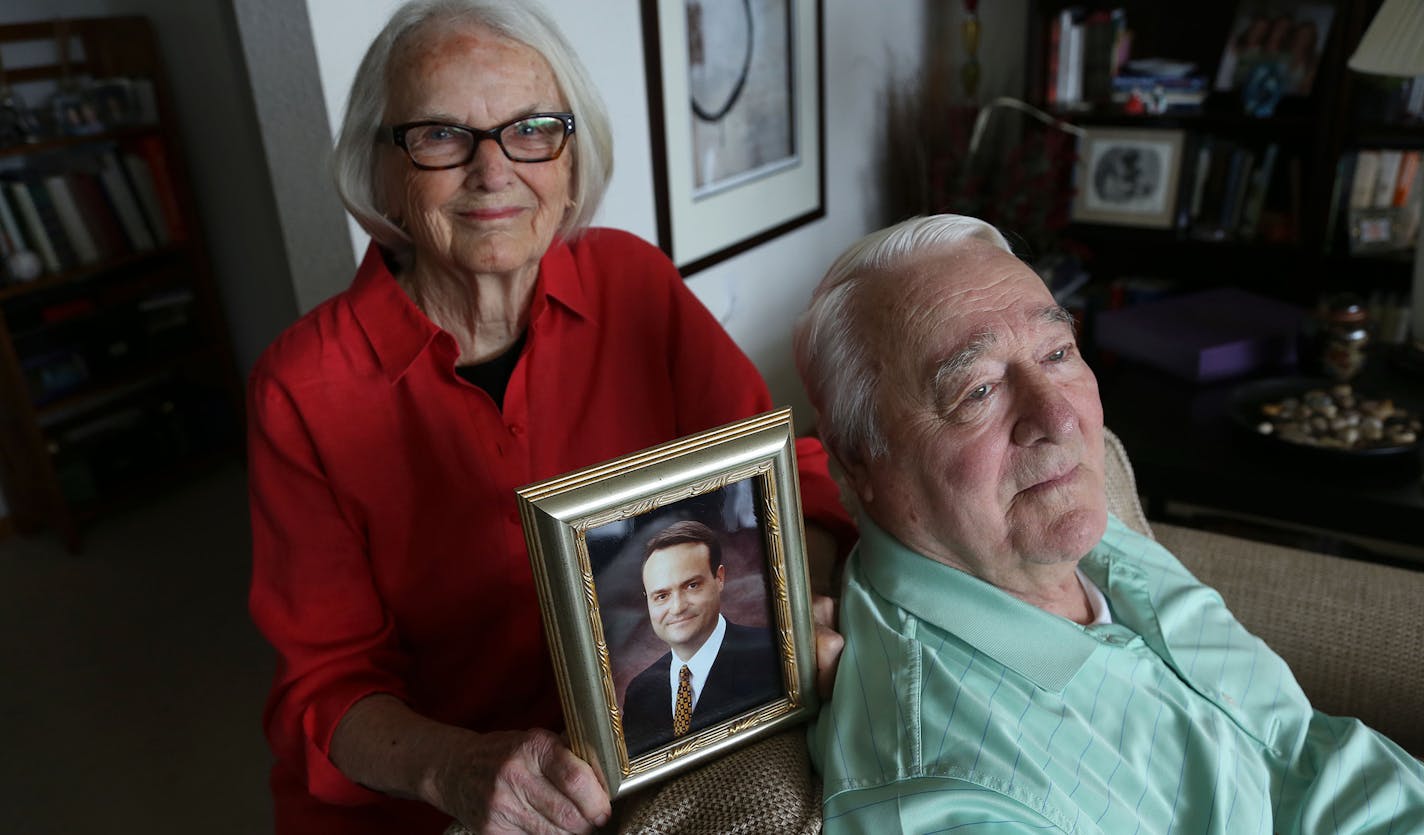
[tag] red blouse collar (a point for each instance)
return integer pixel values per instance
(399, 332)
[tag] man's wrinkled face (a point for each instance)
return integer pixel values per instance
(684, 595)
(992, 418)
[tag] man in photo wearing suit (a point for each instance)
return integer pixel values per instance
(715, 669)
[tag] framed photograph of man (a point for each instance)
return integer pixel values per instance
(1128, 177)
(734, 90)
(674, 591)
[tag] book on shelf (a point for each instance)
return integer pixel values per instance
(1212, 208)
(1101, 52)
(10, 226)
(1339, 198)
(1383, 189)
(1238, 178)
(1071, 54)
(1412, 207)
(125, 202)
(140, 179)
(1390, 313)
(151, 152)
(54, 374)
(1234, 190)
(1362, 182)
(1254, 199)
(1201, 164)
(76, 229)
(103, 223)
(1404, 184)
(37, 231)
(1052, 91)
(1085, 51)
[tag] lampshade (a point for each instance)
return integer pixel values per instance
(1394, 42)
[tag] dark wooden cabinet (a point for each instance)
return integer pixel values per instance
(116, 372)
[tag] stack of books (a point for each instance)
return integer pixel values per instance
(1085, 51)
(1160, 86)
(90, 206)
(1378, 197)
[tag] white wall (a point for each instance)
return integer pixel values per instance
(757, 294)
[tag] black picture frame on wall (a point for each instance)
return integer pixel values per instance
(736, 111)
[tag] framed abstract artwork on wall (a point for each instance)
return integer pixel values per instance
(735, 105)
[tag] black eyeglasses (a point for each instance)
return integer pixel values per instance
(538, 137)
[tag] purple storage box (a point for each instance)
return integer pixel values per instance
(1204, 336)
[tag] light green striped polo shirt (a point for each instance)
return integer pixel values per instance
(959, 708)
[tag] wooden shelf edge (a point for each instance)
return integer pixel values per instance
(78, 403)
(54, 143)
(14, 291)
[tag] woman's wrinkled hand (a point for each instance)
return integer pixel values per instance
(520, 782)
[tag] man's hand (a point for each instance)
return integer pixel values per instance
(519, 782)
(829, 643)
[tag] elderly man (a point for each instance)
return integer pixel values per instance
(1017, 660)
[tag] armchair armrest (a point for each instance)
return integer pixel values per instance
(1351, 631)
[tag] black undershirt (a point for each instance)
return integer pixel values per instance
(493, 375)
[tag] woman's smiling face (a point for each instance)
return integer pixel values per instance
(490, 215)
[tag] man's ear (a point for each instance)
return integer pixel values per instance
(853, 478)
(721, 575)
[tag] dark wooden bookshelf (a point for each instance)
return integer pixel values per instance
(1312, 133)
(1185, 447)
(116, 376)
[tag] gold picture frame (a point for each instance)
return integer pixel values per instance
(587, 531)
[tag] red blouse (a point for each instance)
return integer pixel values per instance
(388, 555)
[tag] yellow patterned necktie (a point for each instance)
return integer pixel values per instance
(682, 717)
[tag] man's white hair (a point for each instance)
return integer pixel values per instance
(834, 357)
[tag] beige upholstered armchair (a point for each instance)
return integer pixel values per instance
(1353, 633)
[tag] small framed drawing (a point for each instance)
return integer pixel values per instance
(685, 556)
(1376, 230)
(735, 105)
(1128, 177)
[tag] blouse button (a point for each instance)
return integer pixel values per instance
(516, 430)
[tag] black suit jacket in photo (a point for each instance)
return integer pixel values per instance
(745, 674)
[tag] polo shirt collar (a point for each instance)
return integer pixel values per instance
(1043, 647)
(399, 332)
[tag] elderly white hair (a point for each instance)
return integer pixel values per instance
(354, 161)
(834, 356)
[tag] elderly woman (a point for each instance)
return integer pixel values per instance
(489, 340)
